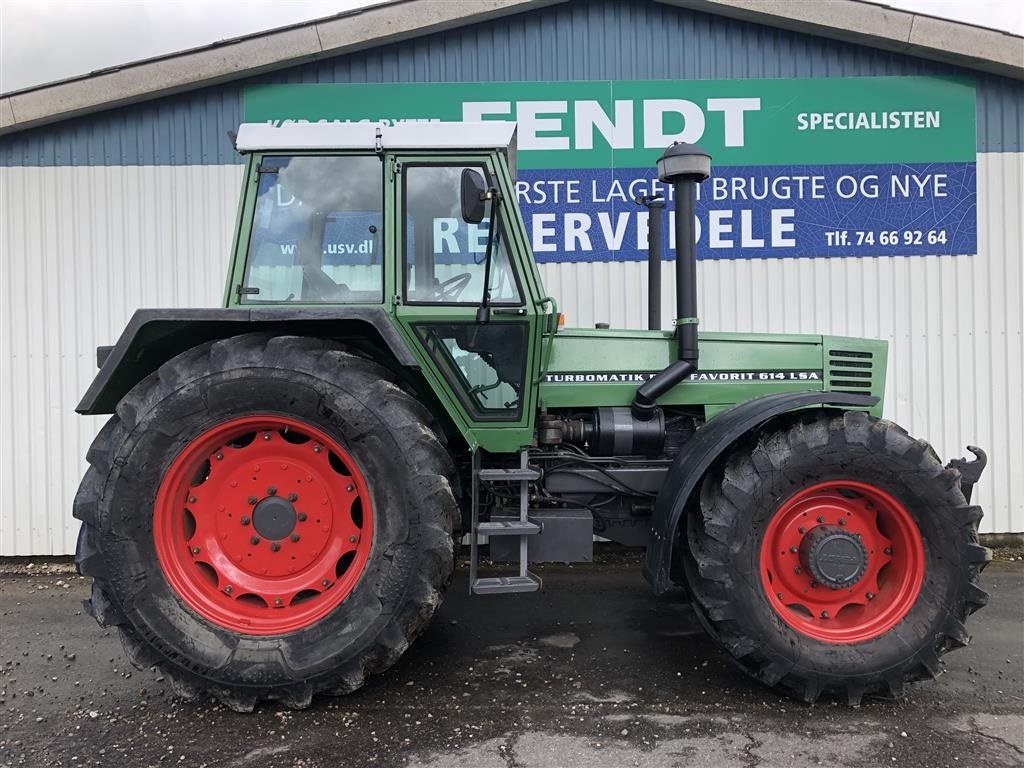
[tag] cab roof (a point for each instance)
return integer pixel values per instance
(260, 137)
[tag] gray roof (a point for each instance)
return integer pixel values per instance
(853, 21)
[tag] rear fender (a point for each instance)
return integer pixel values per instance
(154, 336)
(699, 454)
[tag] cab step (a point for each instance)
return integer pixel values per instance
(498, 585)
(509, 475)
(522, 528)
(508, 528)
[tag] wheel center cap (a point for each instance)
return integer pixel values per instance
(274, 518)
(834, 557)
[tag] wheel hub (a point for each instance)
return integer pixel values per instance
(842, 561)
(263, 524)
(834, 557)
(274, 518)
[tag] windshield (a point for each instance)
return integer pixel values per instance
(316, 231)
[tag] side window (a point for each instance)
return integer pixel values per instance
(316, 231)
(444, 255)
(484, 364)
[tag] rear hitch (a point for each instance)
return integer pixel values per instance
(970, 470)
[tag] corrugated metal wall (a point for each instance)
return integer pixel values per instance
(82, 248)
(159, 236)
(134, 207)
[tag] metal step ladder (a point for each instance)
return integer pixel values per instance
(523, 528)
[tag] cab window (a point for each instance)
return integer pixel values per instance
(444, 255)
(316, 231)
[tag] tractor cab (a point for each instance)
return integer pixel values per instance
(419, 220)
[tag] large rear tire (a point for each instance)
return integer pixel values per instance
(267, 518)
(835, 556)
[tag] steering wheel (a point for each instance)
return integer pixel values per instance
(452, 288)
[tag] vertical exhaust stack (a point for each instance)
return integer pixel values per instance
(683, 166)
(654, 205)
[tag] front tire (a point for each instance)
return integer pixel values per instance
(267, 518)
(835, 556)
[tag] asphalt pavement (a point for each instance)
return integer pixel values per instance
(594, 671)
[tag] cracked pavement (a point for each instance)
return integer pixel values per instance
(593, 672)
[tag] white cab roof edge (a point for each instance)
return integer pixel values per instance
(258, 137)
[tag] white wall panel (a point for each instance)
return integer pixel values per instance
(82, 247)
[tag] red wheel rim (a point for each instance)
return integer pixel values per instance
(263, 524)
(842, 529)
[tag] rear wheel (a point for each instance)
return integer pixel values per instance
(835, 556)
(267, 518)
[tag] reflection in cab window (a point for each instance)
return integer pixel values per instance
(484, 364)
(316, 234)
(445, 255)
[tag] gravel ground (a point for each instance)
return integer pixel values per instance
(593, 672)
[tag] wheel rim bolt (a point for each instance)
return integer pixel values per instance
(350, 488)
(842, 521)
(195, 550)
(814, 585)
(821, 519)
(870, 595)
(302, 517)
(272, 490)
(254, 540)
(295, 537)
(794, 550)
(798, 570)
(325, 583)
(274, 546)
(888, 550)
(229, 589)
(266, 435)
(801, 529)
(278, 602)
(293, 497)
(317, 448)
(824, 614)
(220, 457)
(191, 499)
(778, 595)
(352, 539)
(252, 500)
(246, 520)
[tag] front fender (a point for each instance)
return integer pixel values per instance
(154, 336)
(711, 441)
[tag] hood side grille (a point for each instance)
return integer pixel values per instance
(850, 371)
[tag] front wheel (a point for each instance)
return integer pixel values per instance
(835, 556)
(267, 518)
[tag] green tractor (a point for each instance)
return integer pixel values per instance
(273, 508)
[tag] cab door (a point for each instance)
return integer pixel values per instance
(483, 368)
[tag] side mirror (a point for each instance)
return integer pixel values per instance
(473, 189)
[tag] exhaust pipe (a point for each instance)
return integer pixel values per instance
(654, 205)
(683, 166)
